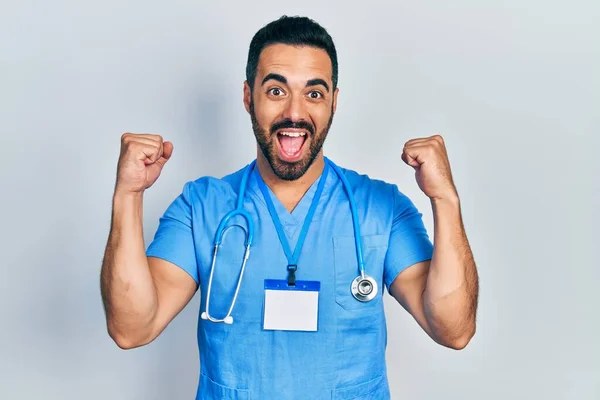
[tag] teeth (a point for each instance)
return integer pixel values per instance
(293, 134)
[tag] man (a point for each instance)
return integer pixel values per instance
(303, 323)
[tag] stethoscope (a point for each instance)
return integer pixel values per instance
(363, 287)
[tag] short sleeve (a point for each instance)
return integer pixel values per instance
(409, 241)
(173, 240)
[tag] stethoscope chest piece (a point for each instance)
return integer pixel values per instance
(364, 288)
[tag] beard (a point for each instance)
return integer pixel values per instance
(288, 171)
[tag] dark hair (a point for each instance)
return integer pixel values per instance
(297, 31)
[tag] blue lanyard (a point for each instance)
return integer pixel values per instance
(293, 258)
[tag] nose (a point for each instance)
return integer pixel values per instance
(295, 109)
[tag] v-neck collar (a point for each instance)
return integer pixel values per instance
(290, 220)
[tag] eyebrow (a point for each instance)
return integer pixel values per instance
(275, 77)
(282, 79)
(317, 81)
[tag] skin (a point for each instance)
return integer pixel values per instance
(143, 294)
(307, 95)
(441, 294)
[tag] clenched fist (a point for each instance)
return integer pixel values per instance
(142, 158)
(429, 159)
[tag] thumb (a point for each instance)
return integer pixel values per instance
(167, 150)
(410, 160)
(166, 155)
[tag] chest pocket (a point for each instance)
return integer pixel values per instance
(374, 248)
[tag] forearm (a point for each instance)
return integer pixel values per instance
(450, 296)
(128, 290)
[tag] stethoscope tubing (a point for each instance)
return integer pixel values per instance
(249, 234)
(355, 224)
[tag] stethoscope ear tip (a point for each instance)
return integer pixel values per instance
(203, 315)
(229, 320)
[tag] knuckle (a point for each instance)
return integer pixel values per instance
(156, 137)
(129, 138)
(434, 144)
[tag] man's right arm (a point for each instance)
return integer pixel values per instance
(141, 294)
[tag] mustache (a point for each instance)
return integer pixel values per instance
(288, 123)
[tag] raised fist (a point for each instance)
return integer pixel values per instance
(142, 158)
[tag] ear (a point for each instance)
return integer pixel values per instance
(247, 96)
(335, 96)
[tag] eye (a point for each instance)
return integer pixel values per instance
(315, 95)
(275, 91)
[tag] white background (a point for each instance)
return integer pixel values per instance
(512, 86)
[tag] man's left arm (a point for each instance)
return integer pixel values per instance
(441, 294)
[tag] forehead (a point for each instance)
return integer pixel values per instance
(294, 62)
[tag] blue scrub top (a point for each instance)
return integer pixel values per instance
(345, 358)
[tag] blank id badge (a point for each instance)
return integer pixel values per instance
(291, 308)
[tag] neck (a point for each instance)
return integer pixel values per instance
(289, 192)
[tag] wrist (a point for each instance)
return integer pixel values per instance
(449, 201)
(127, 202)
(123, 195)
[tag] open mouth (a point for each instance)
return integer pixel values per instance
(291, 143)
